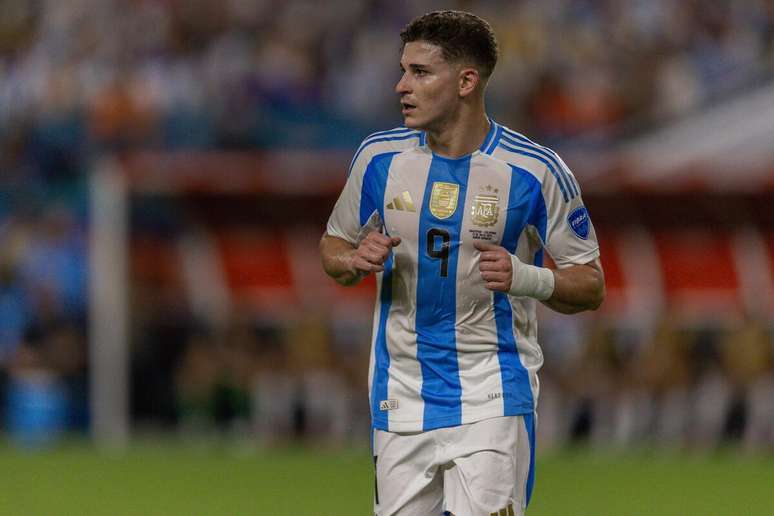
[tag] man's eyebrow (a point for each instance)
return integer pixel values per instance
(415, 66)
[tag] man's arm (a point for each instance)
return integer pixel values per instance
(570, 290)
(578, 288)
(348, 264)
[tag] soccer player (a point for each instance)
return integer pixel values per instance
(453, 213)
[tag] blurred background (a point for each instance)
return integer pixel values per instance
(167, 168)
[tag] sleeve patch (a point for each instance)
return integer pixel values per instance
(578, 219)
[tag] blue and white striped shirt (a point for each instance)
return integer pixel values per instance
(445, 350)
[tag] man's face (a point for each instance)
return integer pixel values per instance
(429, 87)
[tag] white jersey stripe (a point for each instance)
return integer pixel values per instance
(406, 375)
(476, 327)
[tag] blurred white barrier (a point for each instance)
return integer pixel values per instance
(108, 318)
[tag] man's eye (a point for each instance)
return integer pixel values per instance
(420, 72)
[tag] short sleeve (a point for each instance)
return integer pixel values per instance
(344, 221)
(569, 235)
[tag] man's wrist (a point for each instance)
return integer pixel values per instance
(531, 281)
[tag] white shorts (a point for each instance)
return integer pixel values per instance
(484, 468)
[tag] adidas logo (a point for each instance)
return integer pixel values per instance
(390, 404)
(402, 202)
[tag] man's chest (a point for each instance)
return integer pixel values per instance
(447, 203)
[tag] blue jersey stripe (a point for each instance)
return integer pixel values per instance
(529, 422)
(517, 392)
(543, 160)
(367, 144)
(374, 184)
(544, 151)
(372, 198)
(489, 136)
(437, 298)
(496, 139)
(381, 354)
(538, 218)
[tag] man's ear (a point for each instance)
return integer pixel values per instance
(469, 80)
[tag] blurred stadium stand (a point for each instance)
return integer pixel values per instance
(232, 130)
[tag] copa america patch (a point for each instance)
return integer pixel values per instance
(579, 222)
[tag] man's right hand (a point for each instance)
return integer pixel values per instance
(372, 252)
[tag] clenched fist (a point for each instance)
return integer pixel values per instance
(495, 266)
(372, 252)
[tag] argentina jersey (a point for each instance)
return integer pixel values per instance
(445, 350)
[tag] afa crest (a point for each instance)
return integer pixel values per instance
(486, 208)
(443, 199)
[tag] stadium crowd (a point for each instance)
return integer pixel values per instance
(85, 77)
(82, 74)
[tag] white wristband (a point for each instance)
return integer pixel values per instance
(531, 281)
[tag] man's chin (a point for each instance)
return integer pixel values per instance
(411, 122)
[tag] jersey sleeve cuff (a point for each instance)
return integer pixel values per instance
(578, 259)
(338, 234)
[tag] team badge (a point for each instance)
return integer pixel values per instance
(579, 222)
(486, 208)
(443, 199)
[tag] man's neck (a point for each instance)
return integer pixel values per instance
(459, 137)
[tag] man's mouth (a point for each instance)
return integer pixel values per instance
(407, 108)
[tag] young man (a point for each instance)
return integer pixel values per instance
(452, 212)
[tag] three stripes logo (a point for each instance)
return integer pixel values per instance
(403, 202)
(505, 511)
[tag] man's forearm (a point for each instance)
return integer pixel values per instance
(337, 256)
(578, 288)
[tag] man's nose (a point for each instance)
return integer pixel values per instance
(402, 86)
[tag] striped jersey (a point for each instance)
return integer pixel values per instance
(445, 350)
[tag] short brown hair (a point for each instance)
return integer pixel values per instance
(462, 36)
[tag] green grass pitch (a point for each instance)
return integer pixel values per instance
(174, 479)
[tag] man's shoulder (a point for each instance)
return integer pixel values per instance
(515, 148)
(540, 161)
(380, 143)
(394, 134)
